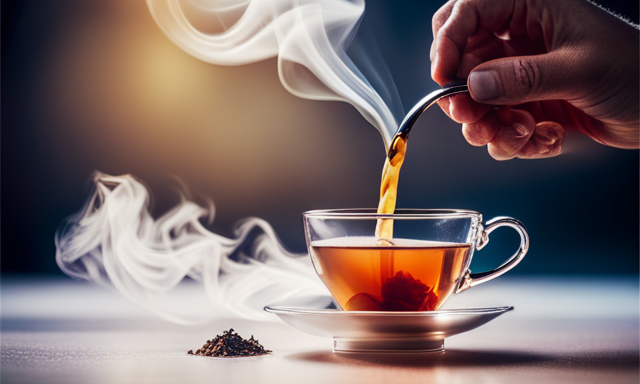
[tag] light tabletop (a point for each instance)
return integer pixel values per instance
(563, 330)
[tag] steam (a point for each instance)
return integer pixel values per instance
(309, 38)
(116, 242)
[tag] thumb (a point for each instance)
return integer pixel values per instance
(516, 80)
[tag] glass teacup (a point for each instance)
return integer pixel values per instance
(426, 261)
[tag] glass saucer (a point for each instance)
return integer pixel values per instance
(368, 331)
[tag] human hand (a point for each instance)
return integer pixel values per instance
(536, 68)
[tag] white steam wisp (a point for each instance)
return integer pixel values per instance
(115, 241)
(309, 38)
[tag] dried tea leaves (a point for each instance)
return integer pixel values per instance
(230, 344)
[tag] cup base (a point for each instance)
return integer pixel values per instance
(386, 345)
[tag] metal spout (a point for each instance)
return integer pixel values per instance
(418, 109)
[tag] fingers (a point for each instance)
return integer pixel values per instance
(438, 20)
(517, 80)
(481, 47)
(463, 109)
(463, 19)
(482, 132)
(511, 138)
(444, 66)
(510, 133)
(505, 72)
(441, 16)
(546, 141)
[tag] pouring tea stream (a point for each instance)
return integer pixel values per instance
(415, 271)
(395, 158)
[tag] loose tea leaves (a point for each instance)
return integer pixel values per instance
(230, 344)
(403, 292)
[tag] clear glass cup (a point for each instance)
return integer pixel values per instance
(427, 260)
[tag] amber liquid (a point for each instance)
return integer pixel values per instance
(410, 275)
(389, 189)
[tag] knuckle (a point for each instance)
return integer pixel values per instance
(460, 6)
(437, 17)
(441, 15)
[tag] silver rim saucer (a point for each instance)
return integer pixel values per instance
(385, 332)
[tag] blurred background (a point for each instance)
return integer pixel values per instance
(95, 85)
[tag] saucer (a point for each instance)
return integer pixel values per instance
(369, 331)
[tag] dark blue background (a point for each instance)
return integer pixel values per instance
(581, 208)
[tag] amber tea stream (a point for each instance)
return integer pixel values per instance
(385, 274)
(389, 188)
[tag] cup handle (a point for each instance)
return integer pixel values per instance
(472, 279)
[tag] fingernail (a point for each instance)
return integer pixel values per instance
(485, 85)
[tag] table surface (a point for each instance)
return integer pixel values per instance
(563, 330)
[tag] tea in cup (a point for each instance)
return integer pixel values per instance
(418, 270)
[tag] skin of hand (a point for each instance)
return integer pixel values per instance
(536, 68)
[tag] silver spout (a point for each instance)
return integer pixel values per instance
(423, 105)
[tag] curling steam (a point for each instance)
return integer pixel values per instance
(308, 37)
(115, 241)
